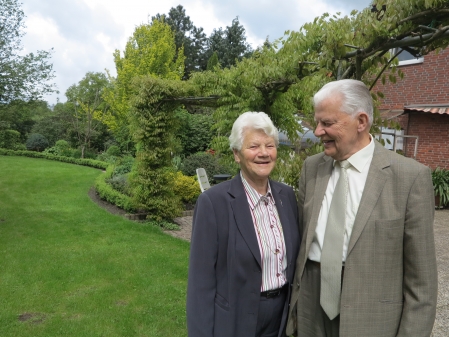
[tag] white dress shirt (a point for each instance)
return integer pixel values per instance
(357, 174)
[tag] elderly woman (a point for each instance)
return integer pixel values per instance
(244, 244)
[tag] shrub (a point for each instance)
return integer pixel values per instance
(9, 139)
(36, 142)
(114, 150)
(32, 154)
(76, 153)
(205, 160)
(124, 165)
(106, 192)
(440, 181)
(119, 183)
(107, 158)
(186, 187)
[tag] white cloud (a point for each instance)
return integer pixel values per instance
(85, 33)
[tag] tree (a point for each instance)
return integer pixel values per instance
(36, 142)
(56, 126)
(190, 39)
(88, 107)
(229, 44)
(21, 77)
(20, 116)
(281, 79)
(213, 62)
(150, 51)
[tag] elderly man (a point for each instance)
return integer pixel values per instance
(367, 265)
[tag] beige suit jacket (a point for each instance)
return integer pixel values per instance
(390, 279)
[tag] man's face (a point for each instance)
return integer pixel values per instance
(339, 132)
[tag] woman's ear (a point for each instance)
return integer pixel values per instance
(236, 156)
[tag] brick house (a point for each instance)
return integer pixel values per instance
(420, 103)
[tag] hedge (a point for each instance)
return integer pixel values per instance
(79, 161)
(106, 192)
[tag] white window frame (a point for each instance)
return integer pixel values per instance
(407, 62)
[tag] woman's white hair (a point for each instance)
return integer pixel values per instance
(355, 97)
(255, 121)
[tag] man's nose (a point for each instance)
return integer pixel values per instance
(319, 131)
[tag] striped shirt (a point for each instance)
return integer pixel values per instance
(269, 236)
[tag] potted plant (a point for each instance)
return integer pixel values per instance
(440, 180)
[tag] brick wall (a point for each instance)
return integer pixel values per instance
(424, 83)
(433, 144)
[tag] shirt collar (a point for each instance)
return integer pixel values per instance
(359, 159)
(254, 196)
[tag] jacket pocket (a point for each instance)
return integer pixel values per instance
(221, 302)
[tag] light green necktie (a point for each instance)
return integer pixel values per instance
(332, 252)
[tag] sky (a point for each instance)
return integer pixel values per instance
(84, 33)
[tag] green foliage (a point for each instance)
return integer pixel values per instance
(213, 62)
(119, 183)
(205, 160)
(186, 187)
(188, 38)
(229, 44)
(9, 139)
(194, 131)
(123, 165)
(166, 225)
(79, 153)
(113, 150)
(440, 180)
(22, 77)
(32, 154)
(289, 164)
(107, 192)
(153, 128)
(36, 142)
(56, 125)
(88, 108)
(61, 148)
(21, 116)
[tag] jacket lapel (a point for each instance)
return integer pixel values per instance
(324, 172)
(242, 215)
(375, 182)
(285, 218)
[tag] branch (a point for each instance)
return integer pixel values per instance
(383, 69)
(426, 38)
(425, 13)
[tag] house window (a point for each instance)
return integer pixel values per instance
(406, 58)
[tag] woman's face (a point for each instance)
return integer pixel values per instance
(257, 156)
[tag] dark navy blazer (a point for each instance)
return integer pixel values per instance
(225, 273)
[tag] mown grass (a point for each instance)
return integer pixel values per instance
(69, 268)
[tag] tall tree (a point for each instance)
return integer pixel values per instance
(229, 44)
(21, 77)
(88, 106)
(151, 50)
(191, 39)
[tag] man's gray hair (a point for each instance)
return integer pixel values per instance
(255, 121)
(355, 97)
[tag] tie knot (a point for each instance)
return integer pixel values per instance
(344, 164)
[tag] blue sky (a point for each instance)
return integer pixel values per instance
(85, 33)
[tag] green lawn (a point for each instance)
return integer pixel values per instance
(69, 268)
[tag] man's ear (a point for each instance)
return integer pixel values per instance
(363, 120)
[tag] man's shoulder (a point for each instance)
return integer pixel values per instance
(399, 162)
(316, 159)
